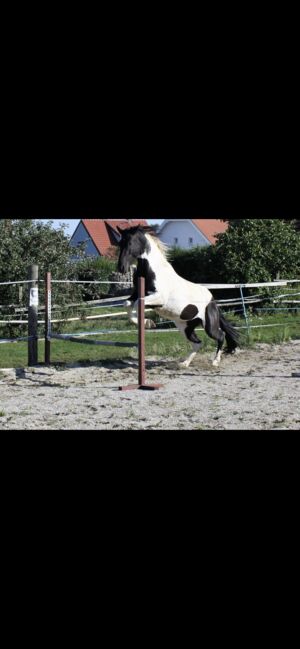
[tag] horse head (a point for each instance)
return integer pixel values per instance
(133, 244)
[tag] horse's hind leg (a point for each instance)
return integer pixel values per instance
(188, 328)
(213, 329)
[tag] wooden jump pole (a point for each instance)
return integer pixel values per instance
(141, 336)
(48, 319)
(33, 301)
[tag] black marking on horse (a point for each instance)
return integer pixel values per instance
(143, 270)
(217, 327)
(190, 333)
(189, 312)
(133, 244)
(212, 324)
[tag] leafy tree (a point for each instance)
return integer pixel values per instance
(258, 250)
(251, 250)
(24, 242)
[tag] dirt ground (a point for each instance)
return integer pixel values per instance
(252, 390)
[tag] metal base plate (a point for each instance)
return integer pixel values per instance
(138, 386)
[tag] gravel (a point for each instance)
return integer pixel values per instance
(253, 390)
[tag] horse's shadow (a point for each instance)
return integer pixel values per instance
(171, 365)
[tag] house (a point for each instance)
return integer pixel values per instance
(188, 233)
(101, 236)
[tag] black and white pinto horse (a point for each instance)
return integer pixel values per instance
(187, 304)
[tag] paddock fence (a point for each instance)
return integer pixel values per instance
(279, 297)
(82, 338)
(32, 314)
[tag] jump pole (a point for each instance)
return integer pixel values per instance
(141, 385)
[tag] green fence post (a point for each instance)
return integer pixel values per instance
(245, 310)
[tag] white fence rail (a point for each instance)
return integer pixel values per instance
(240, 301)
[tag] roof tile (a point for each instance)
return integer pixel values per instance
(210, 227)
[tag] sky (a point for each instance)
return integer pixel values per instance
(72, 223)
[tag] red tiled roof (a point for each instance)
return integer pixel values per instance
(210, 227)
(101, 231)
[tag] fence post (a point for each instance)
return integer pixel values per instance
(245, 310)
(141, 320)
(33, 302)
(47, 319)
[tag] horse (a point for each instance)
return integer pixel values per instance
(187, 304)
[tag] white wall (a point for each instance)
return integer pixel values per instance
(183, 231)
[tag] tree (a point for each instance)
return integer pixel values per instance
(24, 242)
(258, 250)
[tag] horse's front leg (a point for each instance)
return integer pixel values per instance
(155, 300)
(131, 308)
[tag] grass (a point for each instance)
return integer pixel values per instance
(171, 344)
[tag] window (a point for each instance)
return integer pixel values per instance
(190, 241)
(175, 241)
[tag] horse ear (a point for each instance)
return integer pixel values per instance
(149, 229)
(119, 230)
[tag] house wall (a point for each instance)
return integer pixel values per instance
(81, 235)
(183, 231)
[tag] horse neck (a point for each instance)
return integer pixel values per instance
(156, 258)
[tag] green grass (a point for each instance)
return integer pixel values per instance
(171, 344)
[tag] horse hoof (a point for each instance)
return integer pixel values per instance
(184, 364)
(149, 324)
(216, 363)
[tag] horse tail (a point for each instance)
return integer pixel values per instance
(231, 333)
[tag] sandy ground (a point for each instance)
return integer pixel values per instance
(252, 390)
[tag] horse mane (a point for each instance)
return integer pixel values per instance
(163, 247)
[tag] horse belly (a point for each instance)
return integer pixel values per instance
(193, 302)
(185, 301)
(183, 311)
(166, 313)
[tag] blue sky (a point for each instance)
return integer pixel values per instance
(72, 223)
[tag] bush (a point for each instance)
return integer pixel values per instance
(95, 269)
(199, 265)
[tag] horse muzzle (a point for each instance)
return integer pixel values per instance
(123, 268)
(123, 264)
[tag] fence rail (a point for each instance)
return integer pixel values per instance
(244, 302)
